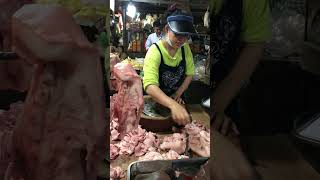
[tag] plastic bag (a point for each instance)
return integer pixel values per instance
(288, 25)
(206, 18)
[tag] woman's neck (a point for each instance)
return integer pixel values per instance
(171, 50)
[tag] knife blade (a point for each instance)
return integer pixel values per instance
(187, 153)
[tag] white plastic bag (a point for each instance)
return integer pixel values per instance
(206, 18)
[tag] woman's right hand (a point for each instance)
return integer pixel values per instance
(179, 114)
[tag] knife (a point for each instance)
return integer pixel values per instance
(187, 152)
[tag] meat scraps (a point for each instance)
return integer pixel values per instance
(114, 124)
(61, 132)
(138, 142)
(114, 59)
(150, 156)
(199, 139)
(116, 173)
(114, 151)
(176, 142)
(171, 155)
(127, 104)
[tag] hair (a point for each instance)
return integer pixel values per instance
(173, 9)
(157, 23)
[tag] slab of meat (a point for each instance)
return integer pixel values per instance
(128, 102)
(199, 139)
(176, 142)
(114, 151)
(138, 142)
(114, 59)
(114, 124)
(149, 144)
(150, 156)
(116, 173)
(61, 133)
(194, 128)
(171, 155)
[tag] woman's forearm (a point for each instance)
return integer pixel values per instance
(184, 85)
(159, 96)
(241, 72)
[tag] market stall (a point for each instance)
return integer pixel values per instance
(142, 130)
(130, 30)
(138, 136)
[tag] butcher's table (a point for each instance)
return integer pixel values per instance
(197, 112)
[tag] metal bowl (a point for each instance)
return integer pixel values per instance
(158, 123)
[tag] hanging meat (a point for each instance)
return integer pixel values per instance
(61, 132)
(127, 105)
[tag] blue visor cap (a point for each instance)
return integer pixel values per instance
(181, 24)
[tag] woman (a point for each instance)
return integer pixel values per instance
(239, 29)
(168, 66)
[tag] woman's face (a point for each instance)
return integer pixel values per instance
(176, 39)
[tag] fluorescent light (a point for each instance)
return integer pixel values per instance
(131, 10)
(112, 4)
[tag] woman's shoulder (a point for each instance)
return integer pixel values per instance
(186, 47)
(152, 52)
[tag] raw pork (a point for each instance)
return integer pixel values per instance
(139, 142)
(114, 125)
(150, 156)
(114, 59)
(171, 155)
(199, 139)
(116, 173)
(176, 142)
(61, 133)
(114, 151)
(128, 102)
